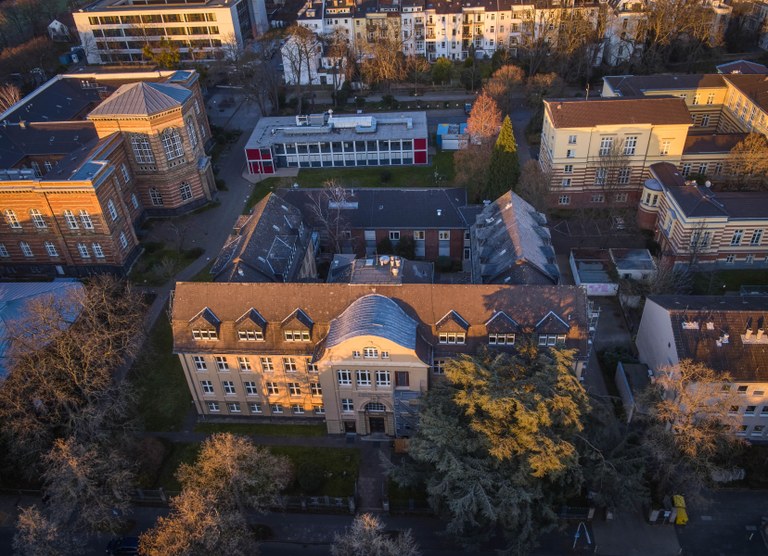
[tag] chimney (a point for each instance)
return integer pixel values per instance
(760, 333)
(395, 271)
(748, 333)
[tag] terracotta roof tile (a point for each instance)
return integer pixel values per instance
(566, 113)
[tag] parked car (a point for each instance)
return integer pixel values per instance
(123, 546)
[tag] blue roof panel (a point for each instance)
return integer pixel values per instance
(373, 315)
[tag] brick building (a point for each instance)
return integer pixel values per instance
(85, 157)
(358, 356)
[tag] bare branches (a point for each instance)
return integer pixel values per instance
(366, 538)
(328, 209)
(9, 95)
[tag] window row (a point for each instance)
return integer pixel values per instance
(551, 339)
(452, 337)
(251, 388)
(257, 408)
(290, 364)
(365, 378)
(369, 353)
(171, 140)
(52, 251)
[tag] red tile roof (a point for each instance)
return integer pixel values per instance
(566, 113)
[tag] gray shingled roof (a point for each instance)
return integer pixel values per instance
(142, 98)
(373, 315)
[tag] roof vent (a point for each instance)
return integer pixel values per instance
(439, 212)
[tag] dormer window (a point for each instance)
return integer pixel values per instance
(551, 339)
(501, 339)
(371, 353)
(452, 338)
(205, 334)
(250, 335)
(296, 335)
(355, 354)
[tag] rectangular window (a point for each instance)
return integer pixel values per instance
(233, 407)
(185, 190)
(229, 387)
(606, 144)
(757, 237)
(50, 248)
(705, 120)
(38, 219)
(272, 388)
(568, 169)
(123, 240)
(501, 339)
(750, 410)
(221, 363)
(266, 364)
(665, 146)
(156, 197)
(255, 408)
(276, 408)
(124, 171)
(764, 411)
(213, 407)
(742, 389)
(4, 251)
(289, 364)
(623, 177)
(566, 182)
(199, 361)
(621, 197)
(438, 366)
(418, 235)
(696, 98)
(444, 235)
(142, 150)
(207, 386)
(564, 200)
(686, 170)
(630, 144)
(600, 176)
(70, 219)
(319, 409)
(347, 405)
(134, 201)
(363, 378)
(382, 378)
(82, 248)
(250, 335)
(294, 389)
(85, 218)
(402, 378)
(296, 335)
(571, 139)
(250, 388)
(570, 153)
(112, 210)
(311, 367)
(244, 363)
(451, 338)
(344, 377)
(711, 98)
(598, 198)
(11, 218)
(394, 236)
(371, 353)
(98, 252)
(737, 235)
(297, 409)
(315, 389)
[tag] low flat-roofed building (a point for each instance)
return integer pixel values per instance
(328, 140)
(383, 269)
(632, 379)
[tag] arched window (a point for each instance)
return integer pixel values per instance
(191, 132)
(375, 407)
(172, 144)
(142, 150)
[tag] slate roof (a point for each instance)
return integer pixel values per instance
(755, 87)
(267, 246)
(373, 315)
(14, 297)
(512, 245)
(54, 139)
(142, 98)
(699, 201)
(390, 208)
(59, 100)
(566, 113)
(346, 269)
(711, 143)
(729, 315)
(638, 85)
(742, 66)
(424, 303)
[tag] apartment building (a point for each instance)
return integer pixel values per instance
(597, 151)
(116, 31)
(695, 225)
(85, 157)
(323, 140)
(357, 356)
(725, 333)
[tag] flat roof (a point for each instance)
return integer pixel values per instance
(114, 5)
(329, 127)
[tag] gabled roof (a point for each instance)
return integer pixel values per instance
(300, 316)
(742, 66)
(252, 316)
(511, 244)
(142, 98)
(452, 317)
(708, 319)
(373, 315)
(501, 322)
(753, 86)
(638, 85)
(267, 246)
(568, 113)
(552, 322)
(208, 316)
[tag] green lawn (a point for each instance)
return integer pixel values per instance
(158, 264)
(263, 429)
(164, 397)
(711, 283)
(335, 469)
(377, 176)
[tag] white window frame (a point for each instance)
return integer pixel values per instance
(123, 240)
(185, 190)
(370, 353)
(251, 388)
(38, 219)
(4, 251)
(156, 197)
(200, 364)
(98, 251)
(294, 389)
(85, 219)
(347, 405)
(12, 219)
(71, 220)
(112, 210)
(630, 145)
(606, 144)
(50, 248)
(142, 149)
(344, 377)
(213, 407)
(255, 407)
(315, 389)
(276, 408)
(243, 363)
(383, 378)
(124, 171)
(363, 377)
(290, 365)
(191, 132)
(172, 145)
(267, 365)
(234, 407)
(273, 389)
(207, 386)
(444, 235)
(222, 363)
(82, 249)
(394, 235)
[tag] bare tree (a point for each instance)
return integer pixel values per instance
(9, 95)
(37, 535)
(747, 166)
(485, 120)
(328, 210)
(415, 66)
(236, 474)
(691, 427)
(87, 486)
(534, 185)
(505, 80)
(196, 526)
(366, 537)
(382, 53)
(63, 358)
(298, 52)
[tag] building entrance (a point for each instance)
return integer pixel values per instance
(376, 424)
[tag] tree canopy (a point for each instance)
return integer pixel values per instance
(504, 170)
(366, 538)
(495, 445)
